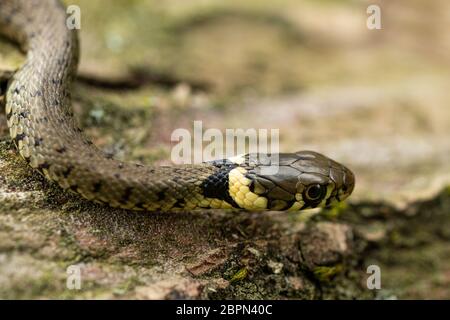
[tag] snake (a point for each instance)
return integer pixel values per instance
(45, 132)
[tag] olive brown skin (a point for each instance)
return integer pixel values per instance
(41, 123)
(303, 180)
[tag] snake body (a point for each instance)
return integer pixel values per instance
(42, 125)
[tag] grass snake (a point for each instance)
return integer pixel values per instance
(42, 125)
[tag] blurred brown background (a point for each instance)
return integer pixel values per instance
(375, 100)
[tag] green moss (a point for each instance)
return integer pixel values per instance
(447, 189)
(127, 286)
(336, 210)
(240, 275)
(325, 274)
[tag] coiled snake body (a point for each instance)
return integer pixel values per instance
(42, 125)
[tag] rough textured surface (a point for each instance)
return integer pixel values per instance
(213, 254)
(125, 254)
(378, 104)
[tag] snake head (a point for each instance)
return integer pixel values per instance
(289, 181)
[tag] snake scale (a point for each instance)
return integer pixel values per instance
(45, 132)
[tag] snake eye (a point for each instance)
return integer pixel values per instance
(314, 192)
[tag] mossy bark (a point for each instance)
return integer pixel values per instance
(124, 254)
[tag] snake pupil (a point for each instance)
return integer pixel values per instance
(314, 192)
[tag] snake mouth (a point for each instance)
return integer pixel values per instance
(348, 184)
(343, 181)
